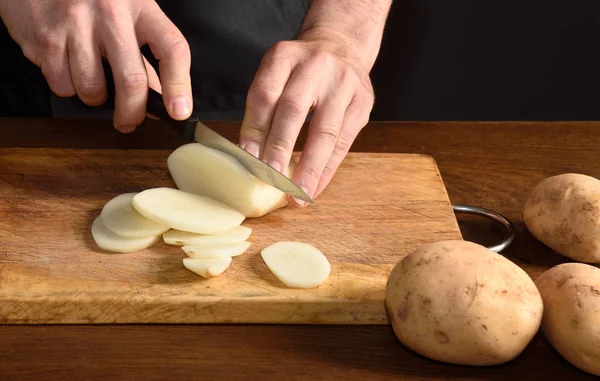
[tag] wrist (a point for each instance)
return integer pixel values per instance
(353, 27)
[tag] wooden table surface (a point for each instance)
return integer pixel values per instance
(492, 165)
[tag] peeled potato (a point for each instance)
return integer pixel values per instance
(208, 267)
(119, 216)
(186, 211)
(110, 241)
(216, 250)
(203, 170)
(235, 235)
(297, 264)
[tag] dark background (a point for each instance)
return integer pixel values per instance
(440, 60)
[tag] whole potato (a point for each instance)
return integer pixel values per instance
(571, 322)
(461, 303)
(563, 212)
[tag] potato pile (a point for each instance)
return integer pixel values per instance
(460, 303)
(204, 215)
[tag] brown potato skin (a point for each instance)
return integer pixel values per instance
(461, 303)
(571, 322)
(563, 212)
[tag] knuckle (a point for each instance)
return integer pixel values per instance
(345, 142)
(50, 44)
(134, 82)
(281, 146)
(328, 172)
(109, 9)
(280, 49)
(262, 95)
(178, 47)
(292, 107)
(329, 133)
(312, 173)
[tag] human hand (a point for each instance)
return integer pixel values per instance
(68, 38)
(319, 72)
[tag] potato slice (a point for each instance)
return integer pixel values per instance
(186, 211)
(297, 264)
(110, 241)
(203, 170)
(235, 235)
(216, 250)
(119, 216)
(207, 268)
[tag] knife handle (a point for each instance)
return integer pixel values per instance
(156, 106)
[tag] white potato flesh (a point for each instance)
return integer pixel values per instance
(216, 250)
(235, 235)
(206, 171)
(119, 216)
(186, 211)
(107, 240)
(207, 268)
(297, 264)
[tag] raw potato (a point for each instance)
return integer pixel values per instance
(110, 241)
(571, 294)
(235, 235)
(297, 264)
(216, 250)
(203, 170)
(119, 216)
(186, 211)
(563, 212)
(207, 268)
(461, 303)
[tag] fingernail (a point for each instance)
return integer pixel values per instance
(301, 202)
(252, 148)
(126, 129)
(275, 165)
(181, 107)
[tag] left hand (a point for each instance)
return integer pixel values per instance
(319, 72)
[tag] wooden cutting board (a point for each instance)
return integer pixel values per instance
(378, 208)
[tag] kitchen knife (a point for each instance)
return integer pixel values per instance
(192, 129)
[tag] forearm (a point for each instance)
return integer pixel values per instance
(358, 23)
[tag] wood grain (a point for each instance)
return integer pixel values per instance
(488, 164)
(378, 209)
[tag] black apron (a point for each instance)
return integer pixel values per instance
(440, 60)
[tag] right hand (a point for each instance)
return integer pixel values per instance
(68, 38)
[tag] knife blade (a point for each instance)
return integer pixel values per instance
(192, 129)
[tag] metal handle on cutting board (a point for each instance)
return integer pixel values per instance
(490, 214)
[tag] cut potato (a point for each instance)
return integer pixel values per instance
(297, 264)
(119, 216)
(235, 235)
(203, 170)
(110, 241)
(186, 211)
(216, 250)
(207, 268)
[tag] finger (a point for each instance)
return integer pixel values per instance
(356, 117)
(86, 67)
(172, 51)
(55, 68)
(324, 131)
(129, 72)
(264, 93)
(295, 102)
(153, 82)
